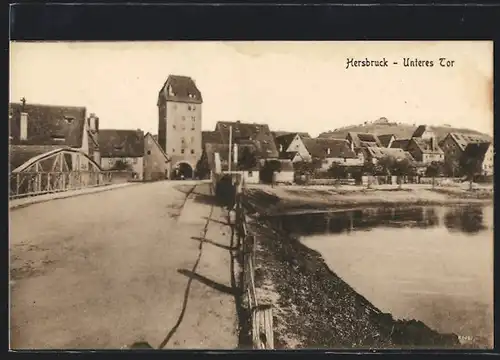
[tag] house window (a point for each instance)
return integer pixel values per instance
(189, 107)
(110, 161)
(192, 151)
(173, 150)
(134, 161)
(250, 174)
(183, 118)
(174, 126)
(193, 118)
(149, 152)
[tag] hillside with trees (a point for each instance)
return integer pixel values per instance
(400, 130)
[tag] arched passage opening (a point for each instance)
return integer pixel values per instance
(182, 170)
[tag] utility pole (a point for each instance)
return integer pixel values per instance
(230, 145)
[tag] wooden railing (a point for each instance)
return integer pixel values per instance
(261, 314)
(39, 183)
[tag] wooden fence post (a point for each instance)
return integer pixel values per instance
(262, 327)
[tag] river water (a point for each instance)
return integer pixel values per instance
(433, 264)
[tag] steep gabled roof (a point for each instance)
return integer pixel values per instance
(155, 141)
(476, 151)
(419, 131)
(223, 150)
(285, 140)
(380, 152)
(121, 143)
(180, 88)
(338, 148)
(210, 137)
(258, 134)
(427, 146)
(400, 144)
(463, 140)
(385, 139)
(48, 124)
(281, 133)
(364, 139)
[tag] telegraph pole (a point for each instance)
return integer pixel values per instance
(230, 145)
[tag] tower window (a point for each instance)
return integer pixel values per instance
(192, 151)
(182, 151)
(189, 107)
(174, 126)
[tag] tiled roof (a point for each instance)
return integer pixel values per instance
(364, 139)
(259, 134)
(155, 140)
(400, 144)
(476, 151)
(464, 139)
(339, 148)
(385, 139)
(19, 154)
(121, 143)
(223, 150)
(285, 140)
(180, 88)
(426, 146)
(210, 137)
(281, 133)
(380, 152)
(419, 131)
(49, 125)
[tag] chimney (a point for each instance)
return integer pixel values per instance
(93, 123)
(432, 143)
(23, 126)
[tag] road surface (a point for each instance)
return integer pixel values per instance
(106, 270)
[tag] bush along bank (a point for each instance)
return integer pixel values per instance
(316, 309)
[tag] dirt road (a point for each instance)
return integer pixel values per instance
(109, 269)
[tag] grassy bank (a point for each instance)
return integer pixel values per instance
(272, 200)
(315, 308)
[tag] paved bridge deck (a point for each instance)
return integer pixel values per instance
(108, 269)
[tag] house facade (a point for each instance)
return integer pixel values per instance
(122, 150)
(387, 139)
(488, 162)
(330, 150)
(258, 135)
(156, 163)
(293, 143)
(425, 150)
(454, 145)
(179, 123)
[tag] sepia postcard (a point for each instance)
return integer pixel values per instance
(251, 195)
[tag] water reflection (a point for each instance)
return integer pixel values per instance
(433, 264)
(467, 219)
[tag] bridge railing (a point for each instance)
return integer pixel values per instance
(23, 184)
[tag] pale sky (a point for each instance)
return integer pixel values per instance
(294, 86)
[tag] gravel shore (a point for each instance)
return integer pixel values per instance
(315, 308)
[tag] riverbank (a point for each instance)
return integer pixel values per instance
(313, 306)
(283, 199)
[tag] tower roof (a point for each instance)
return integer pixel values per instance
(180, 88)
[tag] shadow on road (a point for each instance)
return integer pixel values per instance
(217, 221)
(225, 247)
(210, 283)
